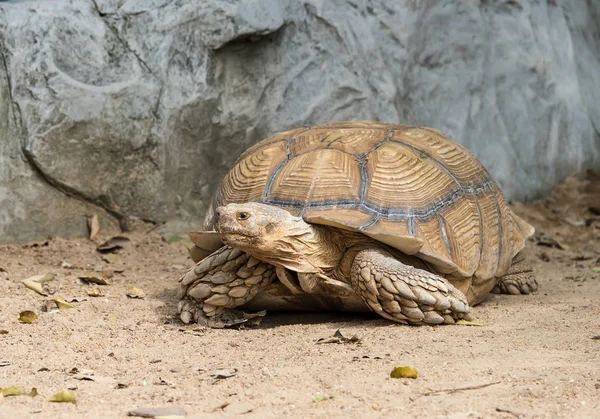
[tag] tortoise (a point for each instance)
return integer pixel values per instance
(356, 216)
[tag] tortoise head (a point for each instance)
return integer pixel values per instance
(250, 224)
(269, 233)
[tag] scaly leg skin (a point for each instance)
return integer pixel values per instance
(518, 280)
(226, 279)
(403, 293)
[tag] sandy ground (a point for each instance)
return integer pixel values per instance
(534, 356)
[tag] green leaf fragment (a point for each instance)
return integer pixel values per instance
(27, 316)
(63, 397)
(322, 399)
(61, 303)
(13, 391)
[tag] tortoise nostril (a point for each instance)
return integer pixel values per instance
(219, 212)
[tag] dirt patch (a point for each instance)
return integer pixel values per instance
(534, 356)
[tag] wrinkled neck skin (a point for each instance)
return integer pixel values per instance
(299, 246)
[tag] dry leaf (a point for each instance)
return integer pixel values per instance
(95, 378)
(13, 391)
(94, 226)
(339, 338)
(463, 322)
(112, 258)
(36, 283)
(61, 303)
(238, 408)
(40, 243)
(48, 306)
(3, 332)
(95, 292)
(404, 372)
(225, 373)
(136, 292)
(545, 240)
(574, 221)
(112, 244)
(27, 316)
(156, 412)
(93, 278)
(4, 363)
(63, 397)
(33, 392)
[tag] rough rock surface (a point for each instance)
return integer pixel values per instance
(136, 108)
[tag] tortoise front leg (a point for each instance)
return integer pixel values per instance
(226, 279)
(403, 293)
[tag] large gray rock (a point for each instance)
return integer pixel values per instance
(134, 109)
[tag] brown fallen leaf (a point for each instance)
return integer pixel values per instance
(544, 240)
(339, 338)
(4, 363)
(515, 412)
(463, 322)
(94, 226)
(238, 408)
(112, 244)
(223, 373)
(136, 292)
(95, 292)
(574, 221)
(48, 306)
(93, 377)
(88, 276)
(583, 257)
(163, 382)
(3, 332)
(155, 412)
(404, 372)
(112, 258)
(27, 316)
(38, 243)
(63, 397)
(36, 283)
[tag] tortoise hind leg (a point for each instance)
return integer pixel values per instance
(403, 293)
(226, 279)
(518, 280)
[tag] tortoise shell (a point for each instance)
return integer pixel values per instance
(409, 187)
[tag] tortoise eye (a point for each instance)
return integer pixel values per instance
(243, 216)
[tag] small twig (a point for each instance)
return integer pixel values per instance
(514, 412)
(454, 390)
